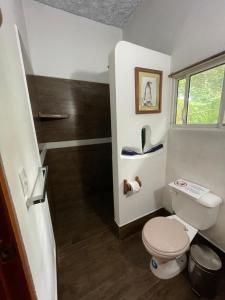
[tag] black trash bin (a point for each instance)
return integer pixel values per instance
(204, 266)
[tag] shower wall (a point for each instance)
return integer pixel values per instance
(74, 172)
(86, 103)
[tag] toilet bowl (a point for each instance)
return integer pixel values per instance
(167, 239)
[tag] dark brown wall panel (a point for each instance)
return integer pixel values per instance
(80, 179)
(87, 103)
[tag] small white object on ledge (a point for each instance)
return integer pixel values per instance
(199, 193)
(194, 190)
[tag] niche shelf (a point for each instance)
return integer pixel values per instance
(142, 156)
(146, 146)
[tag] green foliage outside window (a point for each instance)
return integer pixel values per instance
(204, 97)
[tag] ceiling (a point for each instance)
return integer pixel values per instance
(111, 12)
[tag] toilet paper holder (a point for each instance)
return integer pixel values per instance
(127, 187)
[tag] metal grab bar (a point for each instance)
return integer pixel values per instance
(43, 171)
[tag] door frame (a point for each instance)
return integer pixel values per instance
(26, 277)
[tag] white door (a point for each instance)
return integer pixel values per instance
(19, 150)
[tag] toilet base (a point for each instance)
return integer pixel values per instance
(168, 269)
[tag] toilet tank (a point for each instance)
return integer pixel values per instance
(200, 212)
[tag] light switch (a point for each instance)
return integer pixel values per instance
(24, 182)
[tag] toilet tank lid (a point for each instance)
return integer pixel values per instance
(197, 192)
(210, 200)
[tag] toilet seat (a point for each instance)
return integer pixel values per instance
(165, 238)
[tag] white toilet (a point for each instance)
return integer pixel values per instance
(168, 238)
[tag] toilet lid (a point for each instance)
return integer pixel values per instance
(165, 235)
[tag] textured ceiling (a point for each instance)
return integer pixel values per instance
(111, 12)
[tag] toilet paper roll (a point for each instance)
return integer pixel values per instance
(135, 187)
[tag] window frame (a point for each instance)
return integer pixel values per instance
(187, 75)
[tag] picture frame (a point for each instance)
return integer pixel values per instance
(148, 91)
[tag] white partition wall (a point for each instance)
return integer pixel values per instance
(126, 131)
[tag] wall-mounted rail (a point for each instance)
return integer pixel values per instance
(39, 197)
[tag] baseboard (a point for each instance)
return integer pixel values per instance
(211, 242)
(135, 226)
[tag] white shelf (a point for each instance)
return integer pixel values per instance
(142, 156)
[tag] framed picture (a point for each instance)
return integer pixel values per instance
(148, 90)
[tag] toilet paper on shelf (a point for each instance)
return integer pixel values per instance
(135, 187)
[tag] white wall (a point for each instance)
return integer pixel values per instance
(126, 131)
(201, 35)
(156, 23)
(18, 148)
(199, 155)
(68, 46)
(189, 30)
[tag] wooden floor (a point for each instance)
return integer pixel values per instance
(102, 267)
(92, 263)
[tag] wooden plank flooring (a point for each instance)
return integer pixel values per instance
(92, 263)
(102, 267)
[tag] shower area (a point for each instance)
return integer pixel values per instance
(72, 122)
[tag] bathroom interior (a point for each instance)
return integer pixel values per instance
(132, 170)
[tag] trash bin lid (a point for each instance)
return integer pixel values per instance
(205, 257)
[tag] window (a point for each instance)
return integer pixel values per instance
(199, 97)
